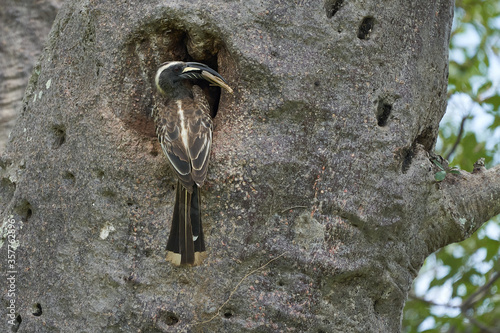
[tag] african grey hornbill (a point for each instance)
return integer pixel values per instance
(184, 129)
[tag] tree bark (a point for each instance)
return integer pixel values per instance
(320, 202)
(24, 26)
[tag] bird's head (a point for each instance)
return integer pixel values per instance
(171, 76)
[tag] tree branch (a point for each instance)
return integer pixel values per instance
(432, 303)
(459, 138)
(479, 293)
(477, 323)
(470, 199)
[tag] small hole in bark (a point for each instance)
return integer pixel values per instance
(69, 178)
(228, 314)
(383, 112)
(385, 106)
(24, 210)
(69, 175)
(427, 138)
(17, 323)
(99, 174)
(37, 310)
(407, 158)
(332, 7)
(365, 28)
(172, 318)
(58, 136)
(375, 306)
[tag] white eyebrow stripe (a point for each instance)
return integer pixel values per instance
(162, 68)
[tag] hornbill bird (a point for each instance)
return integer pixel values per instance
(184, 129)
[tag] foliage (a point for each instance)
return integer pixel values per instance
(458, 288)
(443, 171)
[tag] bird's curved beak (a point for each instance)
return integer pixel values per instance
(196, 70)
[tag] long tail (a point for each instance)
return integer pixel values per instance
(186, 245)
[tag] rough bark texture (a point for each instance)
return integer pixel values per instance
(320, 161)
(24, 26)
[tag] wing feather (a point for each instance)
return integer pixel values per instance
(168, 132)
(200, 142)
(189, 161)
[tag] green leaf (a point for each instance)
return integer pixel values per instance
(493, 100)
(440, 175)
(492, 247)
(439, 165)
(485, 87)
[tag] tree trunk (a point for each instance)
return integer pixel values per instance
(320, 203)
(24, 26)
